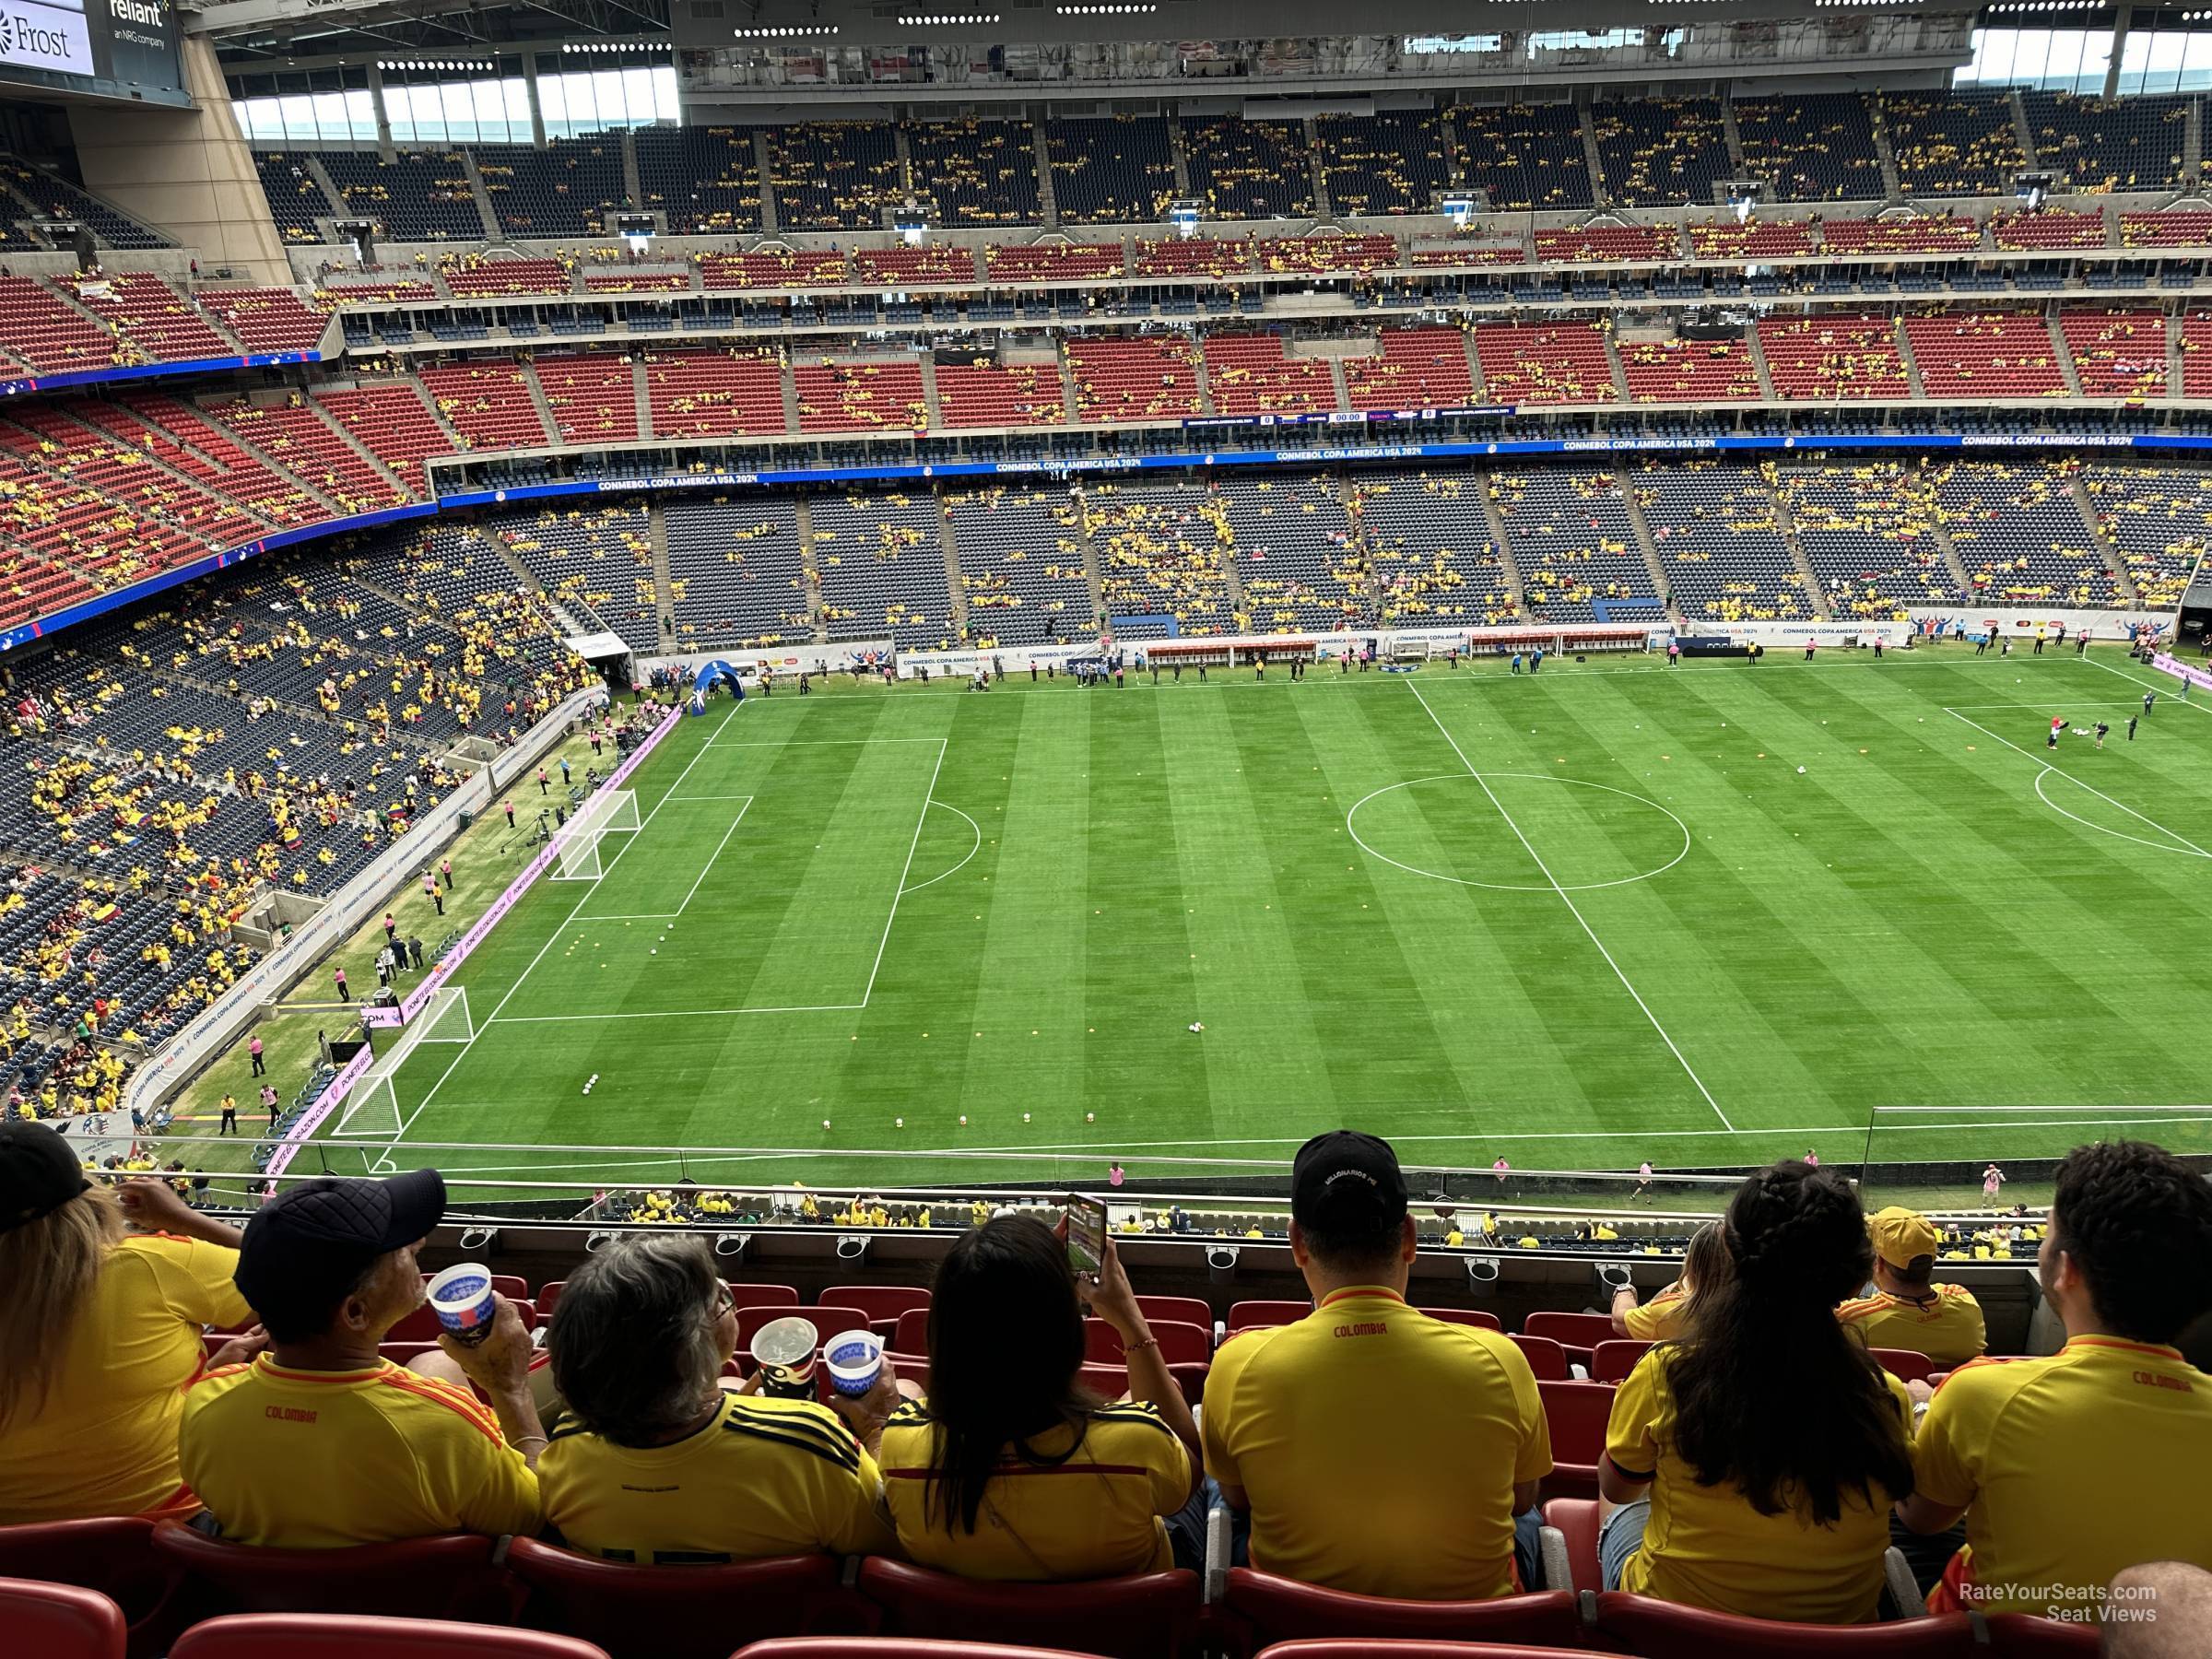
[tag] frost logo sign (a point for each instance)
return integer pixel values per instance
(44, 37)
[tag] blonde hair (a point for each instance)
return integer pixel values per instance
(50, 1267)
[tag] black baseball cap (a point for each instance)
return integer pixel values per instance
(39, 1173)
(1342, 1177)
(310, 1245)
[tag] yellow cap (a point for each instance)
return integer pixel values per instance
(1902, 1234)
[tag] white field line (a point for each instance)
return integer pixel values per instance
(2070, 777)
(1572, 909)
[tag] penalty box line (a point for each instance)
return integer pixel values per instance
(1572, 910)
(889, 921)
(590, 889)
(2070, 777)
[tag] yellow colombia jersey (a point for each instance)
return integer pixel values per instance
(763, 1477)
(2069, 1468)
(319, 1460)
(105, 1441)
(1349, 1429)
(1660, 1319)
(1947, 1328)
(1092, 1511)
(1706, 1546)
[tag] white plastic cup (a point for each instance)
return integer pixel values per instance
(463, 1300)
(855, 1360)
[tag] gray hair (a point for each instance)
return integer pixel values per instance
(636, 1354)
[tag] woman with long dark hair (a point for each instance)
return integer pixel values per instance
(1750, 1465)
(1011, 1469)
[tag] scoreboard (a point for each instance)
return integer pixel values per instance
(112, 48)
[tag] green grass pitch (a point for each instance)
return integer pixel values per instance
(1575, 921)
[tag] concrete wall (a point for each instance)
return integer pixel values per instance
(188, 172)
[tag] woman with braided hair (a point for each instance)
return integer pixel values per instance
(1750, 1465)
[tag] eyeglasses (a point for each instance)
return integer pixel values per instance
(726, 1300)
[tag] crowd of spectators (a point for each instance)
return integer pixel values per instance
(1760, 1458)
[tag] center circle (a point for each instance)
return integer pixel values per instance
(1504, 831)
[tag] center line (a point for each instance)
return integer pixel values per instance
(1545, 870)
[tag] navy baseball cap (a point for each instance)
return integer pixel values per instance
(310, 1245)
(1345, 1178)
(39, 1173)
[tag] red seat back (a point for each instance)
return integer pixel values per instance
(1187, 1309)
(1657, 1629)
(2024, 1636)
(1545, 1358)
(1577, 1413)
(884, 1303)
(446, 1577)
(1143, 1616)
(1179, 1344)
(702, 1612)
(1578, 1333)
(1465, 1316)
(911, 1335)
(894, 1647)
(1263, 1609)
(763, 1296)
(1612, 1361)
(1253, 1315)
(113, 1556)
(548, 1296)
(1575, 1520)
(1904, 1364)
(318, 1636)
(61, 1621)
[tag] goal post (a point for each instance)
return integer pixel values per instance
(372, 1106)
(576, 842)
(1935, 1158)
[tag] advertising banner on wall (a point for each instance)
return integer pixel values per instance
(120, 49)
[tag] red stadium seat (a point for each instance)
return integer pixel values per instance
(1611, 1362)
(1904, 1364)
(61, 1621)
(1144, 1615)
(1657, 1629)
(448, 1577)
(113, 1556)
(1577, 1332)
(1545, 1358)
(1258, 1316)
(893, 1647)
(884, 1303)
(763, 1296)
(2024, 1636)
(910, 1335)
(315, 1636)
(1260, 1609)
(1576, 1521)
(1577, 1413)
(1188, 1310)
(701, 1612)
(1179, 1344)
(1465, 1316)
(548, 1297)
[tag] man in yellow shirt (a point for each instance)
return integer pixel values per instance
(2073, 1467)
(1908, 1310)
(321, 1442)
(1333, 1433)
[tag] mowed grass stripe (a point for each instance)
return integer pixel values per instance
(1261, 1048)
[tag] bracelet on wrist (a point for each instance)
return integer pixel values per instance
(1147, 1341)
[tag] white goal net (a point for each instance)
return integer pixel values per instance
(372, 1106)
(576, 842)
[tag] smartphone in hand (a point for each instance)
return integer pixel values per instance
(1086, 1230)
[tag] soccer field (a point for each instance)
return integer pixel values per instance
(1575, 921)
